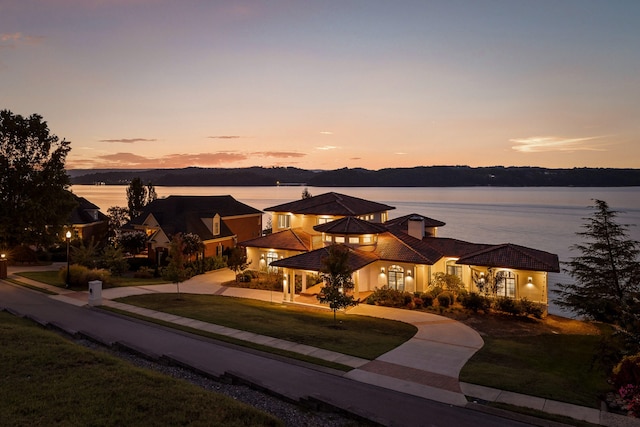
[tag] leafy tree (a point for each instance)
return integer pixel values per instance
(133, 242)
(114, 261)
(237, 260)
(118, 217)
(338, 282)
(176, 271)
(488, 284)
(192, 244)
(449, 282)
(139, 196)
(606, 273)
(306, 194)
(34, 201)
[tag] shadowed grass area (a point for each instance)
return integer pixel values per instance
(47, 380)
(52, 278)
(359, 336)
(558, 367)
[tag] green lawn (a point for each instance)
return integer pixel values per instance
(47, 380)
(558, 367)
(52, 278)
(359, 336)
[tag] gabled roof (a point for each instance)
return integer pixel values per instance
(83, 212)
(331, 204)
(403, 221)
(313, 260)
(453, 247)
(513, 256)
(183, 214)
(291, 239)
(350, 225)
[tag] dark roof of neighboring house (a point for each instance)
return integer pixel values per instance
(350, 225)
(454, 247)
(403, 221)
(314, 260)
(291, 239)
(331, 204)
(83, 213)
(513, 256)
(183, 214)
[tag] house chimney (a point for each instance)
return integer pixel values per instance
(415, 227)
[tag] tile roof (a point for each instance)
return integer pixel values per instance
(350, 225)
(290, 239)
(313, 261)
(83, 212)
(331, 204)
(403, 220)
(513, 256)
(404, 248)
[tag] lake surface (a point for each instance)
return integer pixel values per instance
(545, 218)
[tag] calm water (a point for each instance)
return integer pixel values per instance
(541, 217)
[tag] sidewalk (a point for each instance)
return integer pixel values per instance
(428, 365)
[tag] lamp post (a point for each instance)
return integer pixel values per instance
(68, 236)
(3, 266)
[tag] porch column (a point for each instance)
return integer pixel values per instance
(304, 281)
(356, 284)
(285, 284)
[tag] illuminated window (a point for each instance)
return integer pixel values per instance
(396, 278)
(284, 221)
(271, 257)
(324, 220)
(454, 269)
(367, 239)
(506, 284)
(327, 237)
(354, 240)
(339, 239)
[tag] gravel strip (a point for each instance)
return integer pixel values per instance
(292, 415)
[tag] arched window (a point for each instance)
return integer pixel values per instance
(396, 278)
(506, 284)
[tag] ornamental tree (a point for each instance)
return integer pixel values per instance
(34, 201)
(606, 273)
(338, 282)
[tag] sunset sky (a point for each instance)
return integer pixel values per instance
(328, 84)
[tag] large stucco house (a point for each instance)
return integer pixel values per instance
(402, 253)
(219, 221)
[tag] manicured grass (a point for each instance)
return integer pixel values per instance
(52, 278)
(359, 336)
(553, 366)
(47, 380)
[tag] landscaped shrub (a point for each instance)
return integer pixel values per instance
(474, 301)
(445, 299)
(138, 262)
(417, 302)
(435, 290)
(144, 273)
(80, 276)
(507, 305)
(427, 299)
(530, 308)
(387, 297)
(214, 263)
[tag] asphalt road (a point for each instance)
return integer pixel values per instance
(294, 380)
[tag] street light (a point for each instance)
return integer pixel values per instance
(68, 236)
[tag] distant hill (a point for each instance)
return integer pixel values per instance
(425, 176)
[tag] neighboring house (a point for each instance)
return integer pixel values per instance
(404, 253)
(87, 221)
(219, 221)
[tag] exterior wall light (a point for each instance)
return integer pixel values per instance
(381, 270)
(530, 281)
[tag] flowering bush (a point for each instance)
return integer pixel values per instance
(630, 393)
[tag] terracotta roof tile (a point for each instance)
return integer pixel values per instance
(513, 256)
(313, 261)
(350, 225)
(331, 204)
(291, 239)
(403, 220)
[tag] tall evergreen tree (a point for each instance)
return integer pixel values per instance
(606, 273)
(34, 201)
(136, 197)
